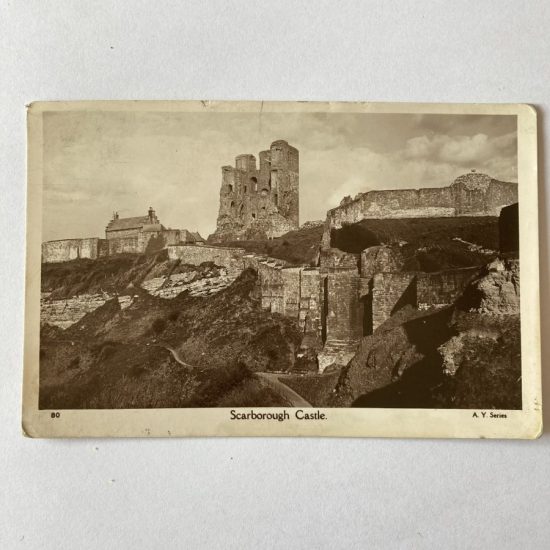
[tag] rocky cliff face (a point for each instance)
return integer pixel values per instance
(467, 355)
(496, 291)
(75, 289)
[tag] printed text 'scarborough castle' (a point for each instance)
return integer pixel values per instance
(259, 203)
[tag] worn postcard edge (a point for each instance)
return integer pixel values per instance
(339, 422)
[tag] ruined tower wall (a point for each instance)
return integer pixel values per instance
(291, 291)
(285, 180)
(311, 301)
(259, 202)
(343, 320)
(270, 279)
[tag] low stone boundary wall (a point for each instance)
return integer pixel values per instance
(65, 250)
(230, 258)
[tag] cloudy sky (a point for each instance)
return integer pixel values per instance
(98, 162)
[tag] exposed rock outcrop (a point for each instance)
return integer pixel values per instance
(496, 291)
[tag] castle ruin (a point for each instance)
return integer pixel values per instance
(135, 235)
(349, 295)
(346, 295)
(259, 203)
(472, 194)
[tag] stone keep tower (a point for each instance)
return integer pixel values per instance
(259, 203)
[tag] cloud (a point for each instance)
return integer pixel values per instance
(99, 162)
(461, 150)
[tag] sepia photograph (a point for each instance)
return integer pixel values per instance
(276, 275)
(274, 263)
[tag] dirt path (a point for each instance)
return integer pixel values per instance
(176, 356)
(272, 380)
(269, 379)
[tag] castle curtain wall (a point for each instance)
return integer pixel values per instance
(70, 249)
(470, 195)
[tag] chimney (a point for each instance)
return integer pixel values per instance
(151, 214)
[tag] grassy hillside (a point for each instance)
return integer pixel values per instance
(428, 244)
(204, 351)
(115, 358)
(296, 247)
(111, 274)
(114, 274)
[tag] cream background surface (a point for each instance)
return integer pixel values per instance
(250, 493)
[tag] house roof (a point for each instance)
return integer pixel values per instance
(128, 223)
(197, 236)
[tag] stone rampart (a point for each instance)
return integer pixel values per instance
(442, 288)
(270, 283)
(291, 291)
(472, 194)
(333, 259)
(390, 291)
(343, 319)
(71, 249)
(311, 300)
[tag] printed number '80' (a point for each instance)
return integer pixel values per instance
(55, 415)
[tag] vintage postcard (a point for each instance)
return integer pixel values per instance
(282, 269)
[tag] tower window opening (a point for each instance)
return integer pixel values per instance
(276, 198)
(245, 188)
(232, 204)
(254, 183)
(230, 188)
(253, 216)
